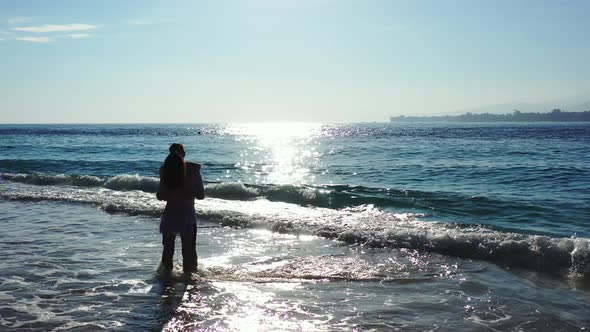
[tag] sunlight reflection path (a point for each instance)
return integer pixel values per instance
(279, 153)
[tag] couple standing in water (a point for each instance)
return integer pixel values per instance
(180, 184)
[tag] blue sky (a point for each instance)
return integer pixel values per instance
(284, 60)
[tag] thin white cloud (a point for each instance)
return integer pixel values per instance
(56, 28)
(18, 20)
(79, 35)
(36, 39)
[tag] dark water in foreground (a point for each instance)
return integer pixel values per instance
(328, 227)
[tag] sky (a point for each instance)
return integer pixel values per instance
(225, 61)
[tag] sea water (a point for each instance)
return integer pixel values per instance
(306, 227)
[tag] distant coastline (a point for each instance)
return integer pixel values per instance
(555, 115)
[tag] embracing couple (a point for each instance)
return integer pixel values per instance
(180, 184)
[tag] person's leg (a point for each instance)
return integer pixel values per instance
(168, 252)
(187, 257)
(189, 253)
(194, 248)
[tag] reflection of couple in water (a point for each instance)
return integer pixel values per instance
(180, 184)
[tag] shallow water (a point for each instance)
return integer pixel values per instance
(70, 266)
(307, 227)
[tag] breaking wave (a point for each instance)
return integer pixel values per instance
(59, 179)
(119, 182)
(133, 182)
(325, 196)
(330, 196)
(365, 225)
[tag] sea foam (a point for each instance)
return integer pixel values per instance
(363, 225)
(58, 179)
(133, 182)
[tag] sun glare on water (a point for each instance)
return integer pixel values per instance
(278, 153)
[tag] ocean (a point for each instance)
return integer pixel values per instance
(306, 227)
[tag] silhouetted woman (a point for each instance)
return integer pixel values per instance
(179, 189)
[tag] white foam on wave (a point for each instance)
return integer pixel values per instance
(230, 190)
(133, 182)
(580, 259)
(57, 179)
(365, 225)
(303, 195)
(308, 193)
(119, 182)
(286, 193)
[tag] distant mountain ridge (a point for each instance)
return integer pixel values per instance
(526, 107)
(556, 115)
(576, 103)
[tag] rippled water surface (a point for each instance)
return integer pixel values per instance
(98, 272)
(306, 227)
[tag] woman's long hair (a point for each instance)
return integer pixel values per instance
(174, 171)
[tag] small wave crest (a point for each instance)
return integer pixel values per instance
(371, 227)
(59, 179)
(446, 206)
(119, 182)
(231, 190)
(364, 225)
(321, 196)
(302, 195)
(133, 182)
(325, 196)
